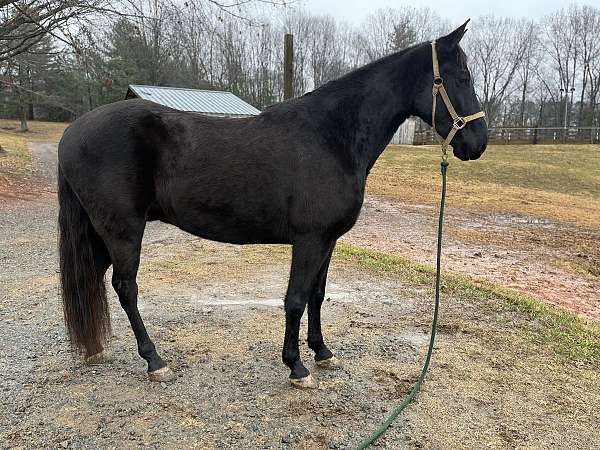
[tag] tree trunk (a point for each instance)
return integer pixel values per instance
(541, 116)
(24, 126)
(523, 99)
(22, 106)
(582, 100)
(30, 99)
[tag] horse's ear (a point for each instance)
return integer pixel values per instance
(451, 41)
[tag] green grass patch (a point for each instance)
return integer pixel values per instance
(569, 337)
(15, 146)
(16, 164)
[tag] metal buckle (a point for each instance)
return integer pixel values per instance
(438, 81)
(459, 123)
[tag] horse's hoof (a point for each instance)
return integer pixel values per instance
(98, 358)
(329, 364)
(162, 375)
(308, 382)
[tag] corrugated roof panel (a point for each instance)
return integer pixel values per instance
(196, 100)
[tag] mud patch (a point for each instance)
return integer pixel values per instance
(537, 256)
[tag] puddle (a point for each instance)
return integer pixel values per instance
(508, 219)
(334, 295)
(271, 302)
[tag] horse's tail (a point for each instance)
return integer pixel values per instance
(86, 313)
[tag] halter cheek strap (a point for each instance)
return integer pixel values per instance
(458, 122)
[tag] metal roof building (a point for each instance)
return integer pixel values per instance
(212, 103)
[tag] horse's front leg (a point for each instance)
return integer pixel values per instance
(308, 256)
(323, 356)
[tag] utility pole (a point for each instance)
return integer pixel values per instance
(288, 67)
(564, 98)
(566, 113)
(557, 120)
(570, 106)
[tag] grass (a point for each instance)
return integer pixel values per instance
(15, 164)
(569, 337)
(587, 265)
(556, 182)
(38, 131)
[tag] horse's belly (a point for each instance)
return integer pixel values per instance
(231, 230)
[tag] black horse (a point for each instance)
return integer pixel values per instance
(295, 174)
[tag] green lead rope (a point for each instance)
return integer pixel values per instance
(409, 398)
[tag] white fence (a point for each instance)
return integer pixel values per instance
(513, 135)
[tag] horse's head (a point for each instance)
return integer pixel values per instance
(457, 113)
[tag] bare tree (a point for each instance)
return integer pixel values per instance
(593, 77)
(497, 48)
(377, 31)
(530, 60)
(101, 46)
(24, 23)
(587, 22)
(388, 30)
(561, 42)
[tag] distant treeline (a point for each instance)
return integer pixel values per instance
(527, 72)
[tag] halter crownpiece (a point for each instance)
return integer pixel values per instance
(458, 122)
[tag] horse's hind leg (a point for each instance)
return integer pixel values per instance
(125, 254)
(323, 356)
(308, 255)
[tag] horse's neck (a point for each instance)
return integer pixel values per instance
(365, 108)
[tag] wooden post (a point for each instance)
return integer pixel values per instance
(288, 67)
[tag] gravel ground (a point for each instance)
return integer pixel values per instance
(215, 313)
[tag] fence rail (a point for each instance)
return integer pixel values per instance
(504, 135)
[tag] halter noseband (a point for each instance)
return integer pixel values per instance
(458, 122)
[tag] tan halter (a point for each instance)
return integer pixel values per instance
(458, 122)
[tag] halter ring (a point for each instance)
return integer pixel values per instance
(459, 123)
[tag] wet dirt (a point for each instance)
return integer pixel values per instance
(520, 252)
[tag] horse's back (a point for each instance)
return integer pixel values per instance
(110, 133)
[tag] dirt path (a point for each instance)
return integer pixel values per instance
(44, 160)
(31, 180)
(215, 312)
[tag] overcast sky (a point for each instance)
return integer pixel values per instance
(454, 10)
